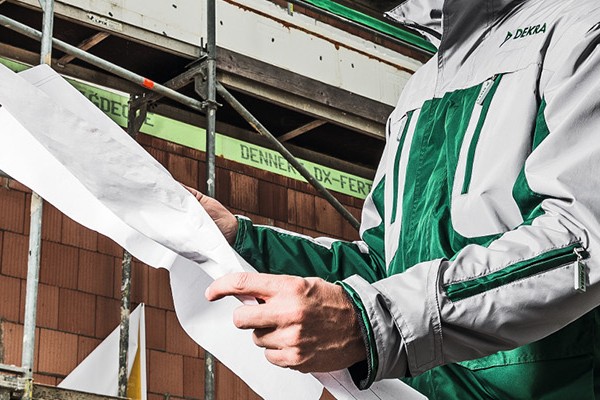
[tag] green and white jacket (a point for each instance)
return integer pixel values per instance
(480, 238)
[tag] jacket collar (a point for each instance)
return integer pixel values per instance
(449, 21)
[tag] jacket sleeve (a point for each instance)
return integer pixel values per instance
(530, 281)
(277, 251)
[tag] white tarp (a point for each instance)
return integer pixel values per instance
(99, 372)
(65, 149)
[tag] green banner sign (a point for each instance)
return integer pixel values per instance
(115, 105)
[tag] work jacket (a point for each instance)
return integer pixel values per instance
(478, 273)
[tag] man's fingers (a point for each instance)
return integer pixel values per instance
(266, 337)
(261, 286)
(255, 317)
(198, 195)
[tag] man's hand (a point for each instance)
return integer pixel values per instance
(225, 220)
(305, 324)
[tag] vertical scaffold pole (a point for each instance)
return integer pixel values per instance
(134, 123)
(35, 230)
(211, 18)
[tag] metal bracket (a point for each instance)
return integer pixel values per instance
(138, 110)
(201, 80)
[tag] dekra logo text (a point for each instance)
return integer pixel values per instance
(524, 32)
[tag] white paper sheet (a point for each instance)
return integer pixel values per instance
(60, 145)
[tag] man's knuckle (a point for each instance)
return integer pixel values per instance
(240, 281)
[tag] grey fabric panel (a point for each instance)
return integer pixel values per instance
(391, 350)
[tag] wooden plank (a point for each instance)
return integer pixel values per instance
(301, 130)
(269, 75)
(303, 105)
(85, 46)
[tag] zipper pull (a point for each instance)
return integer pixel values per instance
(580, 276)
(485, 90)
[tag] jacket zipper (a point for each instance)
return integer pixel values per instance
(570, 255)
(401, 140)
(483, 101)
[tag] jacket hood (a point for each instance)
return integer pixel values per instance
(451, 20)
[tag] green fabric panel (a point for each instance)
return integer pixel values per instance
(427, 231)
(374, 23)
(278, 253)
(528, 201)
(512, 273)
(485, 107)
(397, 165)
(560, 366)
(372, 358)
(375, 237)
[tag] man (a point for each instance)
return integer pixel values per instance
(477, 276)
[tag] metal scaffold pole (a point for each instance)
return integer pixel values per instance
(35, 230)
(260, 128)
(135, 118)
(211, 103)
(188, 101)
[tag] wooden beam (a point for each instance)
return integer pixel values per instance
(85, 46)
(301, 130)
(266, 75)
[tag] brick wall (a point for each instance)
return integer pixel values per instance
(79, 293)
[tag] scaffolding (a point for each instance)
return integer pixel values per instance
(19, 380)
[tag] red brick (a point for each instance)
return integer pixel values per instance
(14, 254)
(183, 169)
(85, 346)
(108, 316)
(79, 236)
(10, 298)
(348, 231)
(107, 246)
(155, 328)
(244, 193)
(328, 220)
(310, 232)
(59, 265)
(13, 344)
(76, 312)
(178, 340)
(301, 209)
(159, 289)
(44, 379)
(96, 273)
(139, 282)
(286, 226)
(258, 219)
(193, 377)
(58, 352)
(158, 155)
(16, 185)
(223, 186)
(47, 305)
(201, 184)
(229, 386)
(12, 210)
(165, 373)
(51, 223)
(272, 200)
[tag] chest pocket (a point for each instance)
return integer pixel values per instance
(490, 158)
